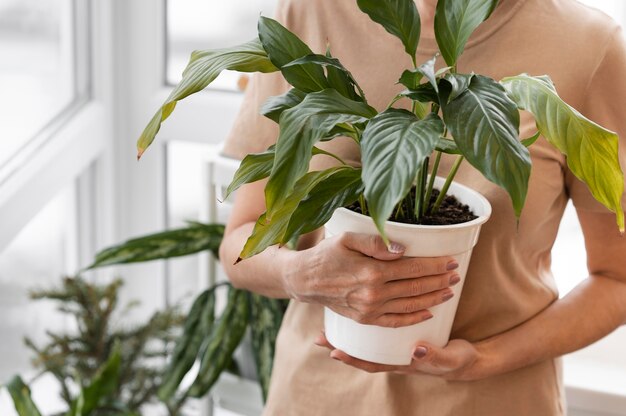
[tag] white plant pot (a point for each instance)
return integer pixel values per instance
(394, 346)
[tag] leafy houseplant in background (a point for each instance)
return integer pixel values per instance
(116, 370)
(469, 116)
(111, 375)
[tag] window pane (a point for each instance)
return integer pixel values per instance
(36, 69)
(201, 24)
(37, 258)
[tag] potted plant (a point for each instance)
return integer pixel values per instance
(468, 115)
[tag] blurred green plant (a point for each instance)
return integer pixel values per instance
(116, 370)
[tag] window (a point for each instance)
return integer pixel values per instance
(40, 73)
(200, 24)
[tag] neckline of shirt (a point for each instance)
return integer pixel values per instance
(503, 13)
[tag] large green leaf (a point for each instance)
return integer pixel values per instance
(458, 84)
(484, 123)
(300, 128)
(411, 77)
(455, 21)
(338, 190)
(282, 47)
(274, 106)
(174, 243)
(198, 325)
(20, 393)
(394, 145)
(253, 167)
(591, 150)
(202, 69)
(267, 233)
(339, 77)
(266, 316)
(398, 17)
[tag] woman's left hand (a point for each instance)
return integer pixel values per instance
(459, 360)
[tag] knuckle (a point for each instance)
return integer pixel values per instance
(410, 306)
(343, 238)
(417, 287)
(372, 274)
(417, 267)
(370, 297)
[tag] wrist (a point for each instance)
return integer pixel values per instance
(291, 273)
(487, 363)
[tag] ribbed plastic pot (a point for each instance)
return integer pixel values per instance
(394, 346)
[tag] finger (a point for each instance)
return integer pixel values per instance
(411, 267)
(456, 355)
(397, 320)
(322, 341)
(372, 246)
(362, 364)
(418, 286)
(418, 303)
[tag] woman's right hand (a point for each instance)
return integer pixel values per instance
(357, 276)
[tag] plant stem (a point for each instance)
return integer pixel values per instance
(446, 186)
(334, 156)
(431, 182)
(420, 188)
(363, 204)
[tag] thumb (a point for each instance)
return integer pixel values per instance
(372, 246)
(453, 356)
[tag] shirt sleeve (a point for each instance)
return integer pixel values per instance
(606, 105)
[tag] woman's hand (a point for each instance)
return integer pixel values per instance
(356, 276)
(459, 360)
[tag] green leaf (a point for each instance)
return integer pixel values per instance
(458, 84)
(221, 343)
(591, 150)
(424, 93)
(174, 243)
(300, 128)
(20, 393)
(267, 233)
(339, 77)
(447, 146)
(531, 140)
(283, 47)
(338, 190)
(202, 69)
(484, 123)
(398, 17)
(266, 316)
(198, 325)
(394, 146)
(455, 21)
(411, 77)
(253, 167)
(103, 384)
(274, 106)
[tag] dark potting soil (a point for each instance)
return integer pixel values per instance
(451, 211)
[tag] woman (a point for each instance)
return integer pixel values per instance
(510, 327)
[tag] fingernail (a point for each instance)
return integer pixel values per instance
(447, 296)
(454, 279)
(396, 248)
(420, 352)
(427, 316)
(452, 265)
(335, 358)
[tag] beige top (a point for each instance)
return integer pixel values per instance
(509, 279)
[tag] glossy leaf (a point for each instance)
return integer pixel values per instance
(455, 21)
(174, 243)
(591, 150)
(457, 85)
(202, 69)
(222, 341)
(283, 47)
(531, 140)
(447, 146)
(484, 123)
(268, 233)
(22, 400)
(342, 81)
(338, 190)
(266, 316)
(398, 17)
(411, 77)
(253, 167)
(274, 106)
(300, 128)
(198, 325)
(394, 146)
(424, 93)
